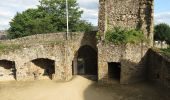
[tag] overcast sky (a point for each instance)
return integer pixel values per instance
(8, 9)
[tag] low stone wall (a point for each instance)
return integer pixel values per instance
(158, 68)
(40, 38)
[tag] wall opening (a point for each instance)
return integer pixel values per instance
(43, 68)
(85, 62)
(114, 70)
(7, 70)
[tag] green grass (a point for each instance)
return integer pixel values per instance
(55, 42)
(120, 35)
(8, 47)
(166, 52)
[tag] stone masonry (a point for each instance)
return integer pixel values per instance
(52, 56)
(34, 56)
(137, 14)
(126, 13)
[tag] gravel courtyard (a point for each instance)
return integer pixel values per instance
(79, 88)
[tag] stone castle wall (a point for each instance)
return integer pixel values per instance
(124, 13)
(37, 38)
(61, 53)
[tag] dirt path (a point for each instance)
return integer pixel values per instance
(78, 89)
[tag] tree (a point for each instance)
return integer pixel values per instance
(83, 25)
(162, 32)
(58, 10)
(50, 16)
(29, 22)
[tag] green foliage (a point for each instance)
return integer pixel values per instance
(8, 47)
(162, 32)
(120, 35)
(49, 17)
(98, 37)
(82, 26)
(31, 21)
(166, 52)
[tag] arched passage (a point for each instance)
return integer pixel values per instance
(85, 62)
(7, 70)
(43, 68)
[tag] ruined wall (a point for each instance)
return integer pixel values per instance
(158, 68)
(38, 38)
(130, 56)
(126, 13)
(47, 46)
(25, 55)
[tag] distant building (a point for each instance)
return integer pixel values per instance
(3, 35)
(160, 44)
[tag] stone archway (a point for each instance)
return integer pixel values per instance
(43, 68)
(85, 61)
(7, 70)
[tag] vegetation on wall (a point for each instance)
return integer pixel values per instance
(162, 32)
(163, 51)
(8, 47)
(120, 35)
(48, 17)
(166, 52)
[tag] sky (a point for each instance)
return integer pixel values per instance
(8, 9)
(162, 11)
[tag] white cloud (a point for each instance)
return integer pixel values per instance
(8, 9)
(163, 17)
(90, 8)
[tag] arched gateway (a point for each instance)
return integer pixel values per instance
(85, 61)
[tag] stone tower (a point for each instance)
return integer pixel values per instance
(126, 13)
(125, 62)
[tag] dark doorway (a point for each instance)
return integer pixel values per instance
(7, 70)
(85, 62)
(114, 70)
(44, 67)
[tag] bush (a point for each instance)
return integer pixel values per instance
(121, 35)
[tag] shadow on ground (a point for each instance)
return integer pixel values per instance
(140, 91)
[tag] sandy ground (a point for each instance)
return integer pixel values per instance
(79, 89)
